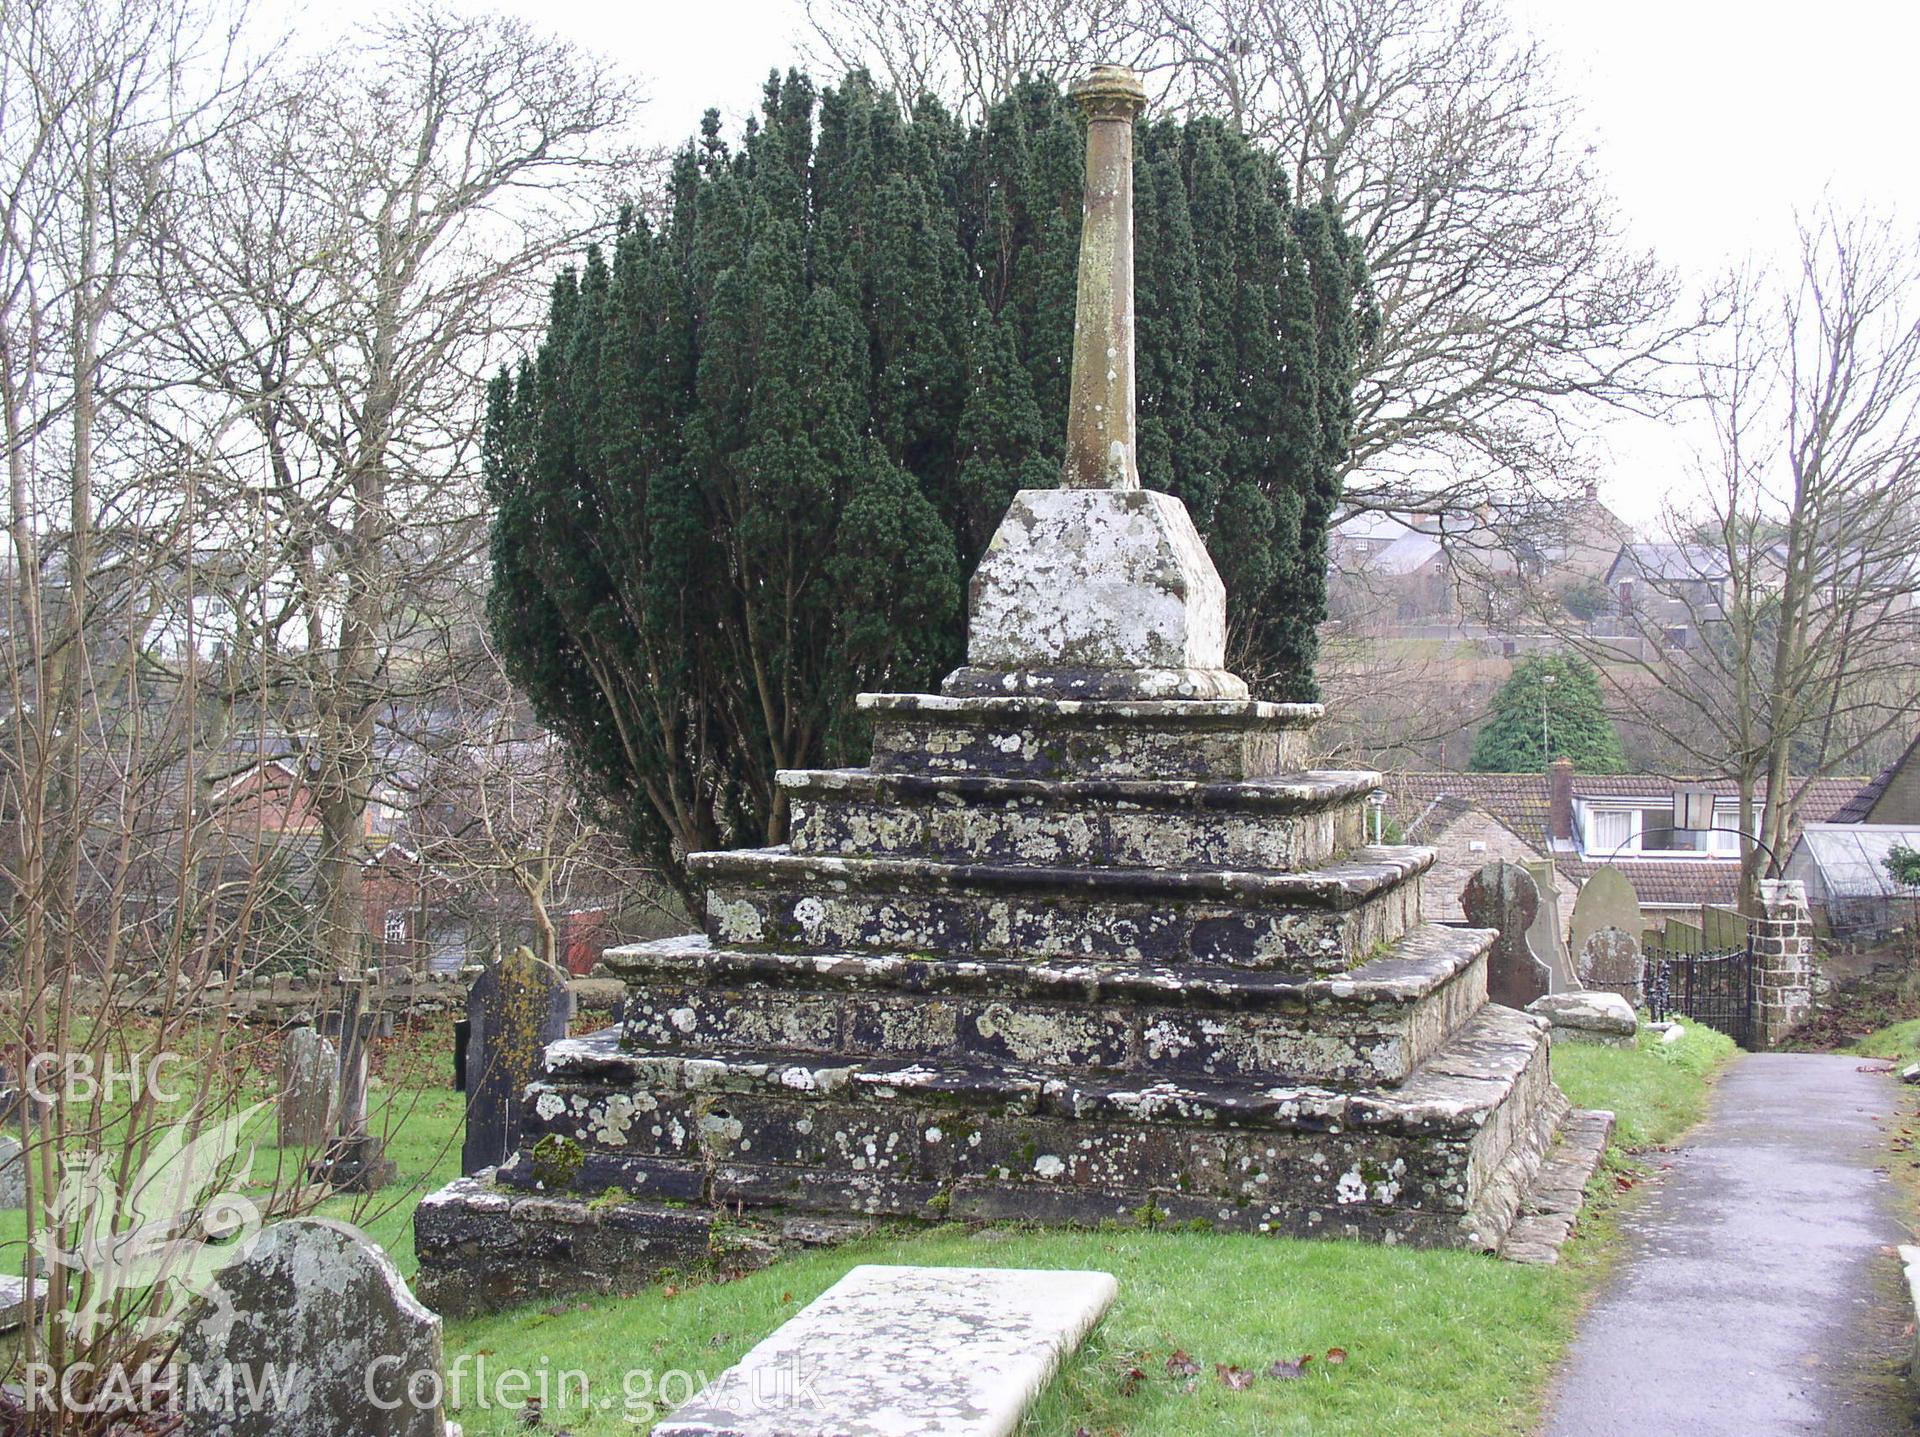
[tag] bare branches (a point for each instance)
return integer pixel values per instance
(1512, 311)
(1776, 634)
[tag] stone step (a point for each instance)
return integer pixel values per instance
(1320, 921)
(1371, 1026)
(946, 1352)
(1052, 738)
(1281, 825)
(1432, 1161)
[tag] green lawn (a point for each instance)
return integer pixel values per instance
(1433, 1341)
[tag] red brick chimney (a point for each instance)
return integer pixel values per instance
(1560, 800)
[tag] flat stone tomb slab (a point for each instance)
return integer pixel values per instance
(1280, 825)
(1064, 738)
(904, 1352)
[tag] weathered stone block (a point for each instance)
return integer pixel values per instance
(1097, 593)
(1589, 1017)
(1048, 739)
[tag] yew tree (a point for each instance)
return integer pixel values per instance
(771, 428)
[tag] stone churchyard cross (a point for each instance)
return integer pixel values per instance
(1094, 806)
(1099, 589)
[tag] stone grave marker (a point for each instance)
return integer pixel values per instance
(323, 1310)
(942, 1352)
(1612, 962)
(13, 1176)
(1606, 900)
(309, 1074)
(1502, 896)
(354, 1160)
(1546, 937)
(515, 1008)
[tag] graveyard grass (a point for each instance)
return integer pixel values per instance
(1434, 1341)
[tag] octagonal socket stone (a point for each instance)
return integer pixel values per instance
(1097, 593)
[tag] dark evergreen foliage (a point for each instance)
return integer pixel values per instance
(766, 440)
(1562, 693)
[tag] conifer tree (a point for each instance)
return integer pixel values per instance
(766, 439)
(1550, 707)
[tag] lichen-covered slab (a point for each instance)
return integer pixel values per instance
(1031, 737)
(904, 1352)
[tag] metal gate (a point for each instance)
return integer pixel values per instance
(1715, 988)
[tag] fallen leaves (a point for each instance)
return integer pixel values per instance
(1185, 1370)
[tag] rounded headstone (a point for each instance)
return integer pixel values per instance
(317, 1318)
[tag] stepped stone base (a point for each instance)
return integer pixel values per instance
(1047, 961)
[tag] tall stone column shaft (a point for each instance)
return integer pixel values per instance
(1100, 421)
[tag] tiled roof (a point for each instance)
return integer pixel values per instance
(1425, 804)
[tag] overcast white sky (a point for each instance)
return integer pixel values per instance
(1714, 119)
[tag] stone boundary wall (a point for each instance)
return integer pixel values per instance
(1783, 960)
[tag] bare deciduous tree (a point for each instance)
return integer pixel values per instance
(359, 256)
(1512, 307)
(1775, 634)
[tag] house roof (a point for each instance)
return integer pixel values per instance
(1856, 808)
(1429, 802)
(1670, 563)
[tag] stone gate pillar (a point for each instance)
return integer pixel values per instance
(1783, 960)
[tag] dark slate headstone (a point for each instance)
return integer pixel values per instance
(515, 1008)
(314, 1319)
(462, 1030)
(308, 1076)
(1502, 896)
(1613, 963)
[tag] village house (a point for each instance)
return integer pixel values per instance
(1579, 823)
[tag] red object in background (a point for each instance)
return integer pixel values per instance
(582, 937)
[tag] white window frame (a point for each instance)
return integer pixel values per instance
(1720, 844)
(395, 927)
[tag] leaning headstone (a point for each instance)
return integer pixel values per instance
(13, 1176)
(1612, 963)
(1606, 900)
(1547, 937)
(315, 1334)
(354, 1160)
(516, 1007)
(308, 1075)
(1502, 896)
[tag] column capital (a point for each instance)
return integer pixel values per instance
(1110, 92)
